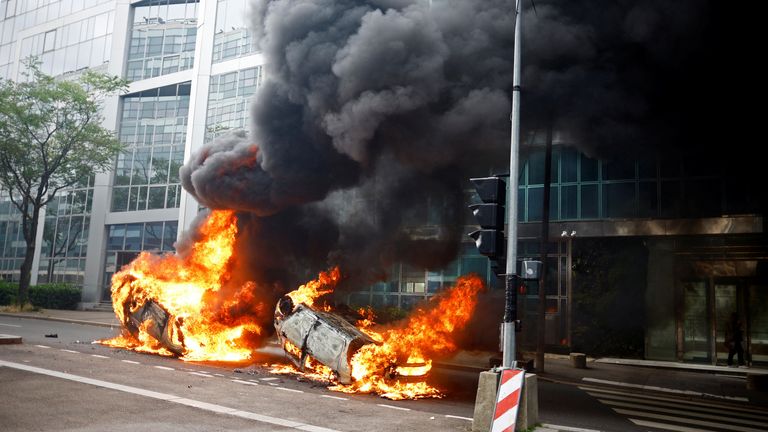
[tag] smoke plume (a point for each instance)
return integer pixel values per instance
(373, 113)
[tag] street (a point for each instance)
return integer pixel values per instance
(68, 383)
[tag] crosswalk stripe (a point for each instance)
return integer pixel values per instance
(669, 399)
(685, 413)
(687, 420)
(667, 426)
(681, 404)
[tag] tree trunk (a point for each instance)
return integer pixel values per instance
(30, 237)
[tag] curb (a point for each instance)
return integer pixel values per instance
(66, 320)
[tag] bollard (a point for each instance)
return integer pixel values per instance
(579, 360)
(485, 402)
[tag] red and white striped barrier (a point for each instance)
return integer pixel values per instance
(507, 400)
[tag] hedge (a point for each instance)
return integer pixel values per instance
(48, 296)
(8, 293)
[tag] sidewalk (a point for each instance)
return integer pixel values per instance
(97, 318)
(721, 383)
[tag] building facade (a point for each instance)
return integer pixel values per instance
(687, 247)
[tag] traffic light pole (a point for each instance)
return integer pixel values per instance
(512, 278)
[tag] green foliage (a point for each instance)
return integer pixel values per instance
(390, 314)
(55, 296)
(8, 293)
(51, 139)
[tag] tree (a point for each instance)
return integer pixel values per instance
(50, 139)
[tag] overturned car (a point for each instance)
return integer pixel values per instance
(157, 322)
(323, 336)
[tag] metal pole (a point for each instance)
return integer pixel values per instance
(510, 310)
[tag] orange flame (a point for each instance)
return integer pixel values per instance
(312, 290)
(406, 348)
(180, 285)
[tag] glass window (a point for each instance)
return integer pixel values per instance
(568, 165)
(589, 202)
(670, 199)
(618, 170)
(569, 209)
(588, 169)
(619, 200)
(535, 202)
(648, 200)
(50, 40)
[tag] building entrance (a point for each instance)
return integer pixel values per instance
(707, 309)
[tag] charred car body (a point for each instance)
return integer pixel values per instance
(325, 337)
(157, 322)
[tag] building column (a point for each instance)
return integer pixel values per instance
(102, 187)
(198, 102)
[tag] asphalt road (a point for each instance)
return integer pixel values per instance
(68, 383)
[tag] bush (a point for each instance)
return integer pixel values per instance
(55, 296)
(8, 293)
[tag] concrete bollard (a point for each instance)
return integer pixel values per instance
(579, 360)
(485, 402)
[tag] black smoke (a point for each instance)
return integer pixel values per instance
(373, 113)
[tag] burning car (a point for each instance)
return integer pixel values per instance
(153, 319)
(325, 337)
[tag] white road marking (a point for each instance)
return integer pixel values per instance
(42, 346)
(691, 406)
(130, 361)
(458, 417)
(666, 426)
(253, 380)
(333, 397)
(394, 407)
(273, 384)
(219, 375)
(678, 419)
(566, 428)
(728, 418)
(169, 398)
(165, 368)
(663, 389)
(244, 382)
(98, 356)
(668, 399)
(70, 351)
(200, 374)
(289, 390)
(269, 379)
(10, 325)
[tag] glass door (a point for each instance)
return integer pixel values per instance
(757, 326)
(696, 331)
(726, 302)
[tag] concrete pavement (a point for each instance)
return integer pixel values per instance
(689, 381)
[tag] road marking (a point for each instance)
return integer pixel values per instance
(687, 405)
(273, 384)
(729, 418)
(333, 397)
(165, 368)
(677, 419)
(10, 325)
(130, 361)
(70, 351)
(666, 426)
(668, 399)
(219, 375)
(200, 374)
(253, 380)
(42, 346)
(244, 382)
(458, 417)
(394, 407)
(98, 356)
(666, 390)
(566, 428)
(269, 379)
(289, 390)
(169, 398)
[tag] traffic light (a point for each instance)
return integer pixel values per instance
(489, 239)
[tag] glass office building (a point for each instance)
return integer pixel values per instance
(695, 241)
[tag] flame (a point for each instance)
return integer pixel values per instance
(180, 285)
(406, 349)
(312, 290)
